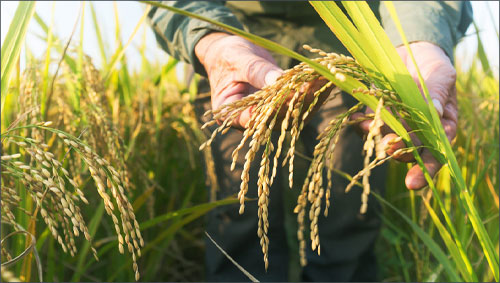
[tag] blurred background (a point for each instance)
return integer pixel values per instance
(65, 12)
(138, 112)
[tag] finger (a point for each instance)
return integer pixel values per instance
(271, 76)
(260, 72)
(439, 107)
(309, 98)
(392, 142)
(450, 116)
(244, 118)
(314, 87)
(229, 93)
(415, 179)
(357, 115)
(365, 125)
(440, 86)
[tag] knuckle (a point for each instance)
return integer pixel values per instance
(453, 74)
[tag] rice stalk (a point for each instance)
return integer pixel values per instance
(37, 163)
(285, 107)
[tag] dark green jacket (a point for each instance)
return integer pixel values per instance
(293, 24)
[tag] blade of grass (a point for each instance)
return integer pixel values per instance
(481, 54)
(493, 22)
(94, 223)
(155, 257)
(11, 46)
(142, 48)
(167, 233)
(162, 218)
(429, 242)
(56, 41)
(100, 41)
(347, 85)
(247, 274)
(121, 50)
(463, 192)
(403, 262)
(47, 60)
(463, 264)
(483, 172)
(79, 69)
(63, 56)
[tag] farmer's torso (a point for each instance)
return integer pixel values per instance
(291, 24)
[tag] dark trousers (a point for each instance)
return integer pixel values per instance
(347, 238)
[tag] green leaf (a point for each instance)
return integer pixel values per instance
(192, 214)
(56, 41)
(481, 54)
(455, 171)
(429, 242)
(11, 46)
(460, 258)
(120, 51)
(202, 207)
(347, 85)
(97, 30)
(83, 252)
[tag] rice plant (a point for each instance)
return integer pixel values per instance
(127, 144)
(422, 118)
(288, 97)
(73, 149)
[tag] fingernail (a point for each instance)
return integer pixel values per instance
(415, 183)
(272, 76)
(438, 106)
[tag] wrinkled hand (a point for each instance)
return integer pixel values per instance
(236, 68)
(439, 76)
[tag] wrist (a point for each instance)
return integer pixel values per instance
(203, 46)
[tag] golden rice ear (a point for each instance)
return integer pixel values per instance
(56, 192)
(287, 97)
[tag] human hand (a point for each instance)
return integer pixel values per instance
(440, 77)
(236, 68)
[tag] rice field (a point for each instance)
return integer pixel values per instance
(102, 176)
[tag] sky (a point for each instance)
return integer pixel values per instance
(65, 14)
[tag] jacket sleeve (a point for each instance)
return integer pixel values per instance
(178, 35)
(443, 23)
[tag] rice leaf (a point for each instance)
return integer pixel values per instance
(56, 41)
(460, 258)
(97, 30)
(429, 242)
(455, 171)
(82, 257)
(348, 85)
(11, 47)
(202, 207)
(120, 51)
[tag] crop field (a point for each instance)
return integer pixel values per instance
(106, 172)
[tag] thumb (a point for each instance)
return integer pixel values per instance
(439, 92)
(259, 72)
(415, 178)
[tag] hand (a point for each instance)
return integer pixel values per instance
(440, 77)
(236, 68)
